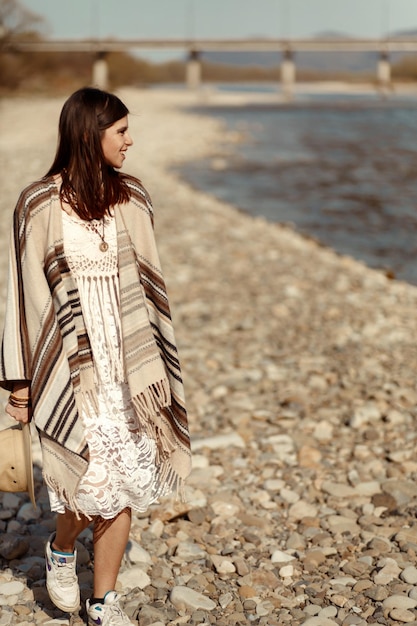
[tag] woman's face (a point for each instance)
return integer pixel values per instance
(115, 141)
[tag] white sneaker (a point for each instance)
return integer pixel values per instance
(107, 614)
(61, 579)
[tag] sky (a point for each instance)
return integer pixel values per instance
(222, 18)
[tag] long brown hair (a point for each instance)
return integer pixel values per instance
(89, 185)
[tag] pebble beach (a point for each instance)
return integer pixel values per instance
(300, 371)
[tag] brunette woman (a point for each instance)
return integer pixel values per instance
(88, 348)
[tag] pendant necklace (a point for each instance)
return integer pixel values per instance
(104, 246)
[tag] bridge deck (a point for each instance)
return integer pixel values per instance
(261, 45)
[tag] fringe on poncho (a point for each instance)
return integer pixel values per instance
(45, 341)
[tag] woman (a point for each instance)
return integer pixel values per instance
(88, 349)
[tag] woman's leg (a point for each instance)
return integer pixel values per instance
(61, 576)
(68, 527)
(110, 540)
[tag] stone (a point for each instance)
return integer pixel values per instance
(309, 457)
(13, 546)
(362, 585)
(344, 581)
(407, 535)
(323, 431)
(388, 572)
(264, 608)
(11, 501)
(134, 577)
(378, 593)
(413, 593)
(409, 575)
(286, 571)
(313, 559)
(295, 542)
(246, 591)
(402, 615)
(149, 615)
(403, 491)
(339, 600)
(288, 495)
(225, 509)
(312, 609)
(356, 568)
(6, 618)
(11, 588)
(367, 489)
(278, 556)
(328, 612)
(225, 599)
(354, 620)
(274, 484)
(157, 528)
(222, 564)
(319, 621)
(241, 566)
(218, 442)
(339, 490)
(339, 524)
(302, 509)
(28, 513)
(184, 599)
(384, 500)
(188, 551)
(380, 545)
(137, 554)
(365, 414)
(399, 601)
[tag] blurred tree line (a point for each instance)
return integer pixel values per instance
(64, 71)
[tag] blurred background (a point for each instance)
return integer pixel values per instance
(322, 91)
(190, 20)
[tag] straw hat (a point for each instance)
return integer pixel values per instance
(16, 465)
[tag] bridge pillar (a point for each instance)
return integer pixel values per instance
(384, 72)
(101, 72)
(288, 74)
(193, 72)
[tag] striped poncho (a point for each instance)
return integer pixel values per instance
(45, 341)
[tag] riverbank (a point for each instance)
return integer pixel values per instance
(300, 369)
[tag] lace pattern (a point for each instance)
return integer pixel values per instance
(121, 471)
(82, 246)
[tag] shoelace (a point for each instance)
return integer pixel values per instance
(65, 573)
(116, 612)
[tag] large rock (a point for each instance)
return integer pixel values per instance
(13, 546)
(184, 598)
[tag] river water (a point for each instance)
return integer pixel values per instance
(339, 169)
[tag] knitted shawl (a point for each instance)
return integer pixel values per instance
(45, 341)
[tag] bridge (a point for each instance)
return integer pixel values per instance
(194, 47)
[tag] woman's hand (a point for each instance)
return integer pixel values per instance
(20, 415)
(19, 405)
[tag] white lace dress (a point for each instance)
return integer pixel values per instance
(121, 470)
